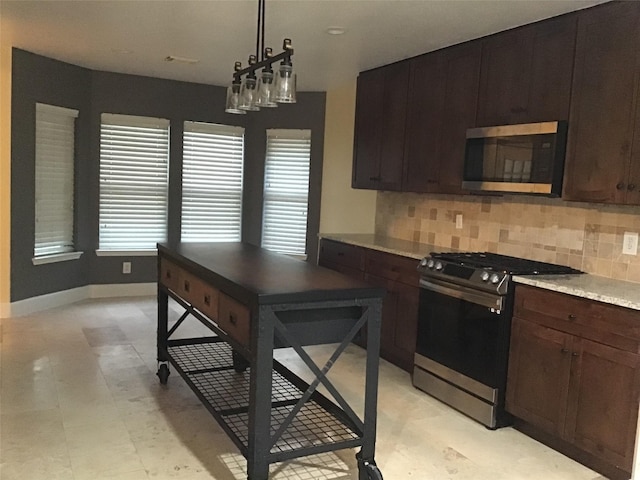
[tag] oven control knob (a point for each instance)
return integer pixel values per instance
(495, 278)
(438, 265)
(485, 276)
(423, 262)
(430, 263)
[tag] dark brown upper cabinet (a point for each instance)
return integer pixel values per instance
(603, 151)
(443, 90)
(381, 105)
(526, 73)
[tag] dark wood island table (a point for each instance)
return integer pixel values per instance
(254, 301)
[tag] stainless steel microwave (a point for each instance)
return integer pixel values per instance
(525, 158)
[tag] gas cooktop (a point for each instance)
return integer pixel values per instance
(486, 271)
(503, 263)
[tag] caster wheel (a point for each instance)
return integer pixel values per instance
(240, 364)
(163, 373)
(373, 472)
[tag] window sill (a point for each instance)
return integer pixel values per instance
(55, 258)
(127, 253)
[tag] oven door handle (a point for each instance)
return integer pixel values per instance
(464, 293)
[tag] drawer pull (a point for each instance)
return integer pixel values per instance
(207, 300)
(564, 350)
(233, 320)
(620, 186)
(186, 285)
(168, 274)
(341, 254)
(571, 316)
(574, 354)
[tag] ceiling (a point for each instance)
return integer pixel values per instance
(136, 36)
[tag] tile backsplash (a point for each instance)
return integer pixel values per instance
(584, 236)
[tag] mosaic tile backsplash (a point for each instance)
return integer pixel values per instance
(584, 236)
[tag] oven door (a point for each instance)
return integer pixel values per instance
(465, 330)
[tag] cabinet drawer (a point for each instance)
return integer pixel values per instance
(235, 319)
(169, 274)
(392, 267)
(604, 323)
(341, 253)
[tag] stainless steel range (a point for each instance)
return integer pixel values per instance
(464, 326)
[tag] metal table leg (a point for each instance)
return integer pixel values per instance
(367, 469)
(161, 340)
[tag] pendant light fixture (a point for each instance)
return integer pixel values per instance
(261, 88)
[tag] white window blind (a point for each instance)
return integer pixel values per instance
(212, 166)
(55, 138)
(134, 161)
(286, 191)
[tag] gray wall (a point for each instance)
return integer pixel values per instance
(93, 93)
(39, 79)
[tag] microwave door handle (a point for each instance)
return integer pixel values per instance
(478, 297)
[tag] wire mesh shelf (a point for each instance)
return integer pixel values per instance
(208, 366)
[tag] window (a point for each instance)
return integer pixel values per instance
(134, 161)
(212, 165)
(286, 191)
(54, 177)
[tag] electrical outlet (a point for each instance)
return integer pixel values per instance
(126, 267)
(630, 243)
(459, 221)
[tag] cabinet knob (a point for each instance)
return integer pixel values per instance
(233, 320)
(620, 186)
(574, 354)
(207, 300)
(186, 285)
(571, 316)
(564, 350)
(631, 187)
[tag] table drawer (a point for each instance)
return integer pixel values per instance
(208, 302)
(235, 319)
(191, 288)
(392, 267)
(169, 274)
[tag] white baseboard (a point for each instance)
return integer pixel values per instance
(65, 297)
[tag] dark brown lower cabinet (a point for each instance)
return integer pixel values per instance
(395, 273)
(574, 377)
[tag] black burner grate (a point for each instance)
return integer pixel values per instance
(504, 263)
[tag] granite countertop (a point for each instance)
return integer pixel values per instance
(396, 246)
(607, 290)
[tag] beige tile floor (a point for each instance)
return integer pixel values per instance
(79, 400)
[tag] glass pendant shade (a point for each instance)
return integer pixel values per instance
(266, 90)
(248, 95)
(286, 84)
(233, 99)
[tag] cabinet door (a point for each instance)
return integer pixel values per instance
(605, 86)
(406, 324)
(603, 403)
(396, 86)
(553, 52)
(461, 65)
(633, 184)
(505, 77)
(538, 378)
(368, 129)
(426, 105)
(526, 73)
